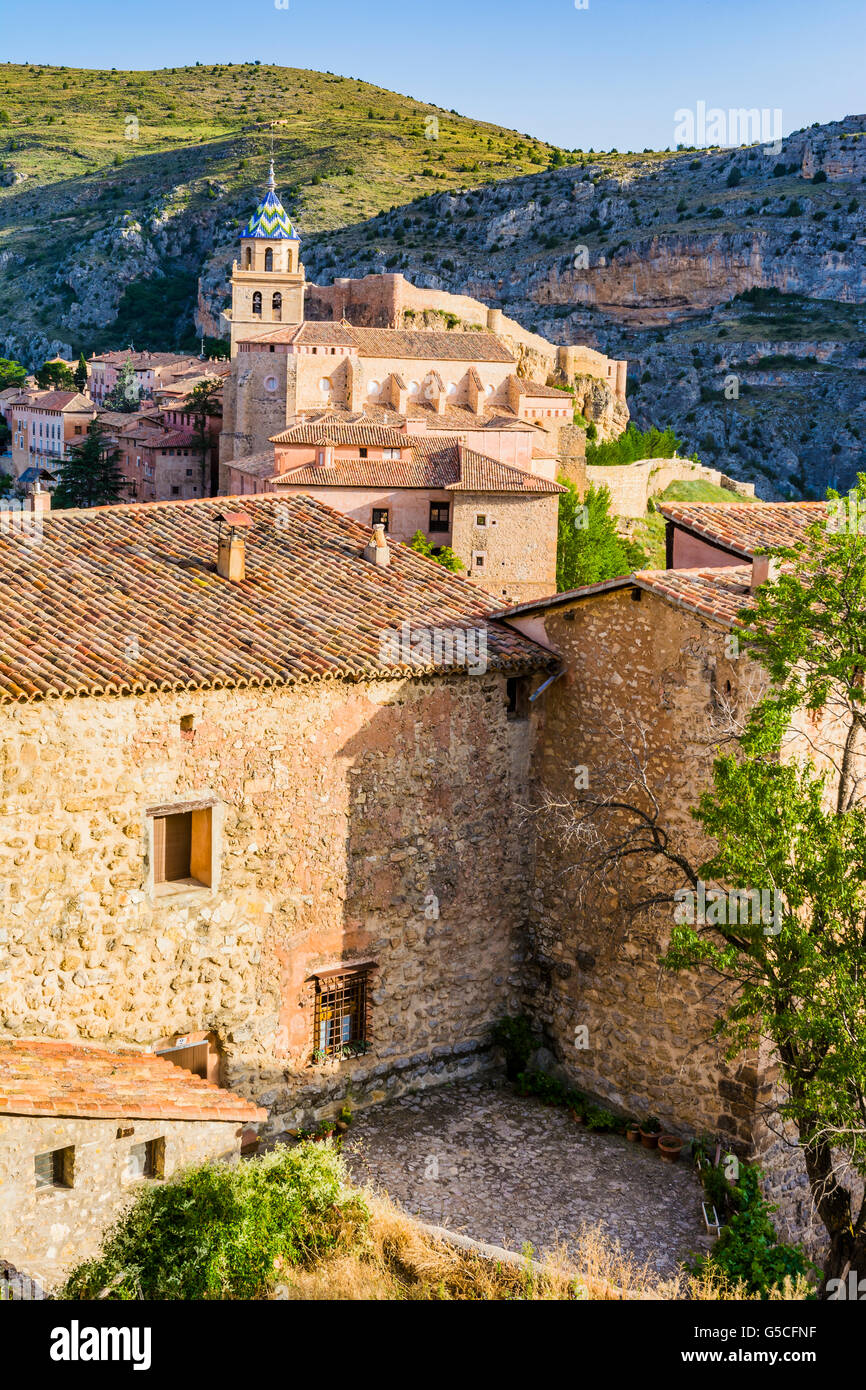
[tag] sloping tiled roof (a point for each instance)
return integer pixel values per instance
(540, 388)
(481, 474)
(309, 608)
(399, 343)
(440, 463)
(336, 432)
(744, 528)
(270, 219)
(40, 1077)
(716, 593)
(454, 418)
(178, 439)
(60, 400)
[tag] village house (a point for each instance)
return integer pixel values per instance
(256, 812)
(44, 424)
(152, 370)
(500, 521)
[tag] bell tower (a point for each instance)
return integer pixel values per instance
(268, 281)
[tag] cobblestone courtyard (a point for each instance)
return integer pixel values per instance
(478, 1159)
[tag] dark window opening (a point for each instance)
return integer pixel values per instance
(362, 453)
(380, 517)
(517, 697)
(269, 259)
(146, 1160)
(55, 1168)
(277, 306)
(439, 516)
(257, 303)
(340, 1020)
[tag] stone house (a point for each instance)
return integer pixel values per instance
(501, 521)
(257, 798)
(44, 424)
(82, 1127)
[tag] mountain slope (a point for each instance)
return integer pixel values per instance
(111, 180)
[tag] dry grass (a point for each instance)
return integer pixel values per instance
(401, 1260)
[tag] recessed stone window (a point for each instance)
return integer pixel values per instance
(479, 560)
(517, 697)
(56, 1168)
(340, 1028)
(182, 847)
(481, 519)
(270, 383)
(145, 1160)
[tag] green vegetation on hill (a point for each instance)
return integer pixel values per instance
(634, 444)
(589, 547)
(699, 490)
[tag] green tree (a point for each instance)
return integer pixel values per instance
(634, 444)
(442, 554)
(55, 376)
(79, 376)
(12, 373)
(589, 549)
(126, 395)
(90, 476)
(779, 821)
(203, 403)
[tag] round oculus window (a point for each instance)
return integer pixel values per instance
(270, 383)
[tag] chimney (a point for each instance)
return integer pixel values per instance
(38, 500)
(377, 551)
(231, 546)
(765, 570)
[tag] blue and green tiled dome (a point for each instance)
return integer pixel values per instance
(270, 219)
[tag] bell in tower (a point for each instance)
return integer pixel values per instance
(268, 281)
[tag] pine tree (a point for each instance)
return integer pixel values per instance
(55, 376)
(127, 393)
(90, 476)
(80, 375)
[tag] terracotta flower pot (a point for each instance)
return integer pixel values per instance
(649, 1141)
(670, 1147)
(632, 1134)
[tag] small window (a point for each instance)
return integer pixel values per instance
(257, 303)
(439, 516)
(517, 697)
(146, 1160)
(78, 429)
(189, 472)
(277, 306)
(481, 519)
(182, 847)
(390, 453)
(340, 1021)
(362, 453)
(270, 383)
(380, 517)
(55, 1168)
(175, 492)
(269, 259)
(479, 559)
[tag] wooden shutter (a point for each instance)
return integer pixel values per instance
(172, 839)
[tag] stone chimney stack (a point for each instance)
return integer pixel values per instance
(38, 500)
(765, 570)
(231, 546)
(377, 551)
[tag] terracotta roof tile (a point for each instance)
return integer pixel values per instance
(716, 593)
(310, 607)
(40, 1077)
(440, 463)
(338, 432)
(745, 528)
(540, 388)
(394, 342)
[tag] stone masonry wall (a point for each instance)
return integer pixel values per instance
(358, 821)
(649, 1049)
(44, 1232)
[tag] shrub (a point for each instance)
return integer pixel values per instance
(820, 177)
(748, 1248)
(226, 1232)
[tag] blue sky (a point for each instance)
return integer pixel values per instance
(612, 74)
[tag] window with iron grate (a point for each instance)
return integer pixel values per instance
(340, 1017)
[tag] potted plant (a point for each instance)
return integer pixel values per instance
(669, 1147)
(632, 1131)
(649, 1132)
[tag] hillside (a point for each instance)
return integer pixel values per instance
(109, 180)
(700, 267)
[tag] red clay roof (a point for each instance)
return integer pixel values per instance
(716, 593)
(439, 463)
(394, 342)
(744, 528)
(339, 432)
(310, 607)
(41, 1077)
(539, 388)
